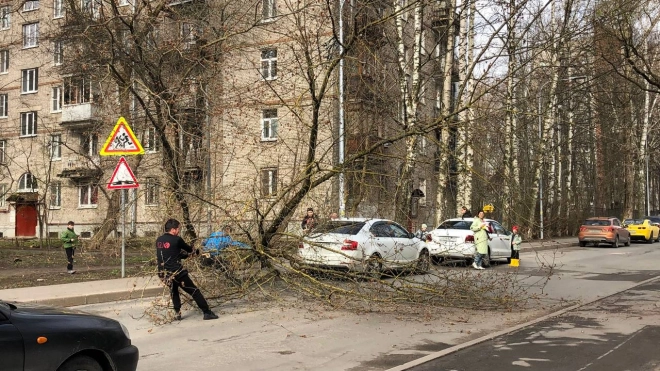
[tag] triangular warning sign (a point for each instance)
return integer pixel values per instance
(122, 141)
(123, 177)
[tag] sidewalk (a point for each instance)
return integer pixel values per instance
(93, 292)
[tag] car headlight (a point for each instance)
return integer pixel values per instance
(125, 330)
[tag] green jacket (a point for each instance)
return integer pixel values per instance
(67, 236)
(480, 236)
(517, 240)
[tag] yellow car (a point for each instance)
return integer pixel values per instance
(642, 229)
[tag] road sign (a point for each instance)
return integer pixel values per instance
(122, 141)
(123, 177)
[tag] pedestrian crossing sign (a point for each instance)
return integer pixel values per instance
(122, 141)
(123, 177)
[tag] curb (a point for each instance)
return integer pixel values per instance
(104, 297)
(456, 348)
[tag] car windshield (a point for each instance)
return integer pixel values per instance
(633, 221)
(596, 222)
(455, 224)
(340, 227)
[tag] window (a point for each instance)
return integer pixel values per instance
(5, 17)
(55, 193)
(269, 10)
(269, 125)
(30, 35)
(88, 195)
(4, 100)
(151, 192)
(58, 8)
(151, 140)
(3, 195)
(30, 80)
(30, 5)
(28, 124)
(91, 7)
(77, 90)
(56, 99)
(268, 182)
(27, 183)
(124, 2)
(89, 143)
(269, 64)
(189, 34)
(58, 53)
(4, 61)
(3, 151)
(55, 147)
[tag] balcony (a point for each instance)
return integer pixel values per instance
(79, 168)
(440, 15)
(78, 115)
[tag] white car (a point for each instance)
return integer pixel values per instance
(363, 245)
(454, 239)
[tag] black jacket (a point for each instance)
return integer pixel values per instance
(170, 250)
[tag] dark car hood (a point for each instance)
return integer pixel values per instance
(30, 312)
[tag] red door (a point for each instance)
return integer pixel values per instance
(26, 220)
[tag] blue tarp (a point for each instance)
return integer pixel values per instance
(218, 241)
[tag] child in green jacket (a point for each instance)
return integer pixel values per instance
(516, 240)
(69, 240)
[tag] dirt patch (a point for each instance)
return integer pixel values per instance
(26, 264)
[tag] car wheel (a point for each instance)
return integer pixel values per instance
(81, 363)
(630, 239)
(582, 244)
(650, 239)
(374, 267)
(423, 262)
(615, 244)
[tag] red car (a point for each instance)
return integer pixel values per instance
(603, 230)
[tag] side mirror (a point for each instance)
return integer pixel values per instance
(411, 235)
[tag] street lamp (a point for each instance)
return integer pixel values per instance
(342, 206)
(538, 96)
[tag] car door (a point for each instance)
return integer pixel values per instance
(405, 246)
(503, 239)
(622, 232)
(382, 241)
(11, 343)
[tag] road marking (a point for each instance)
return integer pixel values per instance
(456, 348)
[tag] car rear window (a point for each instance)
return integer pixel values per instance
(596, 222)
(455, 224)
(633, 221)
(340, 227)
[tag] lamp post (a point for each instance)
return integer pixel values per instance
(538, 96)
(342, 206)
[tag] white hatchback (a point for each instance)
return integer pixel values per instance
(364, 245)
(454, 239)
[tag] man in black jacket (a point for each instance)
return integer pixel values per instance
(170, 249)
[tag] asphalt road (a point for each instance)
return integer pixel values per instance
(618, 333)
(257, 337)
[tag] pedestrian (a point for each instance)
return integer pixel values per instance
(69, 240)
(480, 229)
(516, 240)
(309, 221)
(465, 212)
(170, 249)
(422, 232)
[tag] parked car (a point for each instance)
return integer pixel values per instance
(598, 230)
(454, 239)
(642, 229)
(34, 337)
(363, 245)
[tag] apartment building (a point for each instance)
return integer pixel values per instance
(224, 103)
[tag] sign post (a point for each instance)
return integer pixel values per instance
(122, 141)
